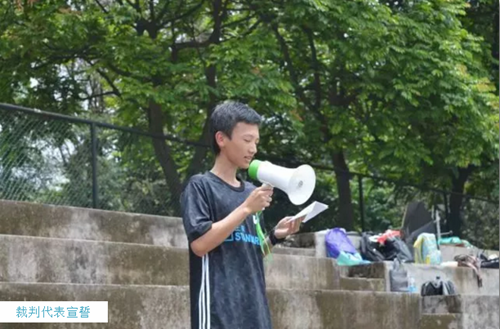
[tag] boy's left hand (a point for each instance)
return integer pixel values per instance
(285, 228)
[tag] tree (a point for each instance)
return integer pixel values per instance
(481, 19)
(160, 63)
(397, 89)
(370, 76)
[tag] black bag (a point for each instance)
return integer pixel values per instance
(398, 277)
(368, 249)
(395, 248)
(488, 263)
(438, 287)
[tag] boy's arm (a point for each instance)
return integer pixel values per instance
(281, 231)
(219, 231)
(203, 234)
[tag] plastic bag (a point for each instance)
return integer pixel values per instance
(398, 277)
(456, 241)
(369, 249)
(347, 259)
(337, 241)
(426, 250)
(388, 234)
(395, 248)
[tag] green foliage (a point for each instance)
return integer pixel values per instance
(401, 89)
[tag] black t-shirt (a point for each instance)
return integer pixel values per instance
(227, 286)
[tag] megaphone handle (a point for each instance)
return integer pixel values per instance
(266, 185)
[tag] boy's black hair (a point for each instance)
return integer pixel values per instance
(226, 116)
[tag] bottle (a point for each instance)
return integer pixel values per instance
(412, 288)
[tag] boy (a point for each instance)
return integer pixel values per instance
(219, 211)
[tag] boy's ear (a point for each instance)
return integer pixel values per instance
(220, 138)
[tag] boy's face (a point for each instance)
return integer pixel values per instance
(242, 146)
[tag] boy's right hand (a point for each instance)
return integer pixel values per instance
(259, 199)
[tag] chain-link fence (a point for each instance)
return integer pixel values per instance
(42, 158)
(55, 159)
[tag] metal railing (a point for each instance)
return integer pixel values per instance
(65, 160)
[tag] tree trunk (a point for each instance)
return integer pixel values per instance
(163, 154)
(456, 199)
(200, 152)
(346, 211)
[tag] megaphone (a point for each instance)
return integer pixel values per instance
(298, 183)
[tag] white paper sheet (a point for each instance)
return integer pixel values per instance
(310, 211)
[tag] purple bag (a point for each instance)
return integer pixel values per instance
(337, 241)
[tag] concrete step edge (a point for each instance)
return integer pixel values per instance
(141, 245)
(133, 307)
(43, 238)
(150, 286)
(93, 262)
(437, 321)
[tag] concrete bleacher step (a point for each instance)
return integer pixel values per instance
(36, 259)
(476, 311)
(30, 219)
(140, 264)
(151, 307)
(21, 218)
(442, 321)
(463, 277)
(129, 306)
(362, 284)
(460, 304)
(373, 270)
(294, 251)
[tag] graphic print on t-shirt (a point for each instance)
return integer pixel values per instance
(241, 235)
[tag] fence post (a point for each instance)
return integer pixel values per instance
(361, 204)
(446, 216)
(93, 138)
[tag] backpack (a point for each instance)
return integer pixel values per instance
(369, 249)
(490, 263)
(426, 250)
(486, 262)
(438, 288)
(395, 248)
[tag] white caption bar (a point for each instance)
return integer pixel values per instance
(53, 312)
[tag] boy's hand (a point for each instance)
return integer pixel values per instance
(285, 228)
(259, 199)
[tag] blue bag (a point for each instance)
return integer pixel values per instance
(337, 241)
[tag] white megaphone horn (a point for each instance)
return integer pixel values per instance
(298, 183)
